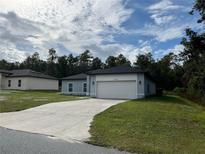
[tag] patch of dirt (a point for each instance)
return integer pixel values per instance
(27, 98)
(40, 99)
(2, 98)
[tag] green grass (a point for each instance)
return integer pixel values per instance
(20, 100)
(167, 124)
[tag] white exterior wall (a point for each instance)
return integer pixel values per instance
(30, 83)
(14, 83)
(0, 81)
(140, 85)
(42, 84)
(3, 82)
(92, 85)
(152, 87)
(77, 87)
(116, 77)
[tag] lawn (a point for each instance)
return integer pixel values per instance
(19, 100)
(167, 124)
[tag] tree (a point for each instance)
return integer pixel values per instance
(32, 62)
(194, 63)
(62, 66)
(199, 6)
(194, 57)
(144, 61)
(110, 62)
(167, 72)
(96, 64)
(122, 60)
(85, 61)
(4, 64)
(52, 57)
(72, 65)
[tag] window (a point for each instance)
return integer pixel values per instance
(70, 87)
(93, 82)
(9, 83)
(84, 87)
(19, 83)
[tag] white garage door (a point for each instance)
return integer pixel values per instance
(116, 89)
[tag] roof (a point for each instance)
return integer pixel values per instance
(5, 71)
(116, 70)
(28, 73)
(81, 76)
(120, 70)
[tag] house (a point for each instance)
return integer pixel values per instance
(27, 79)
(114, 83)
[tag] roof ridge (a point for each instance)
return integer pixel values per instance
(30, 73)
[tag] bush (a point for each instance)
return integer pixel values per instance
(179, 91)
(190, 94)
(159, 92)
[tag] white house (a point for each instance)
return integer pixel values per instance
(115, 83)
(26, 79)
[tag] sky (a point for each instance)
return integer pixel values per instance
(105, 27)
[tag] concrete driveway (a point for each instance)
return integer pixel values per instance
(66, 120)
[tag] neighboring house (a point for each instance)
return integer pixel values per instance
(75, 84)
(26, 79)
(116, 83)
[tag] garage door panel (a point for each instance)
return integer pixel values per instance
(116, 89)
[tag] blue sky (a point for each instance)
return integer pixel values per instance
(105, 27)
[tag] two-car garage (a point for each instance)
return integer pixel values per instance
(116, 89)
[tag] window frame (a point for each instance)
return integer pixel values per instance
(70, 83)
(9, 83)
(19, 83)
(84, 90)
(148, 88)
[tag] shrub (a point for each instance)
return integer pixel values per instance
(179, 91)
(159, 91)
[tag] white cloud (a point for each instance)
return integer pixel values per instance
(164, 34)
(11, 54)
(161, 12)
(162, 52)
(169, 22)
(162, 19)
(168, 32)
(71, 26)
(36, 25)
(176, 50)
(163, 5)
(129, 51)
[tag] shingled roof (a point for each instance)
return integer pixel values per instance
(116, 70)
(81, 76)
(120, 70)
(27, 73)
(5, 71)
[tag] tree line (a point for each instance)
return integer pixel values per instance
(166, 71)
(184, 73)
